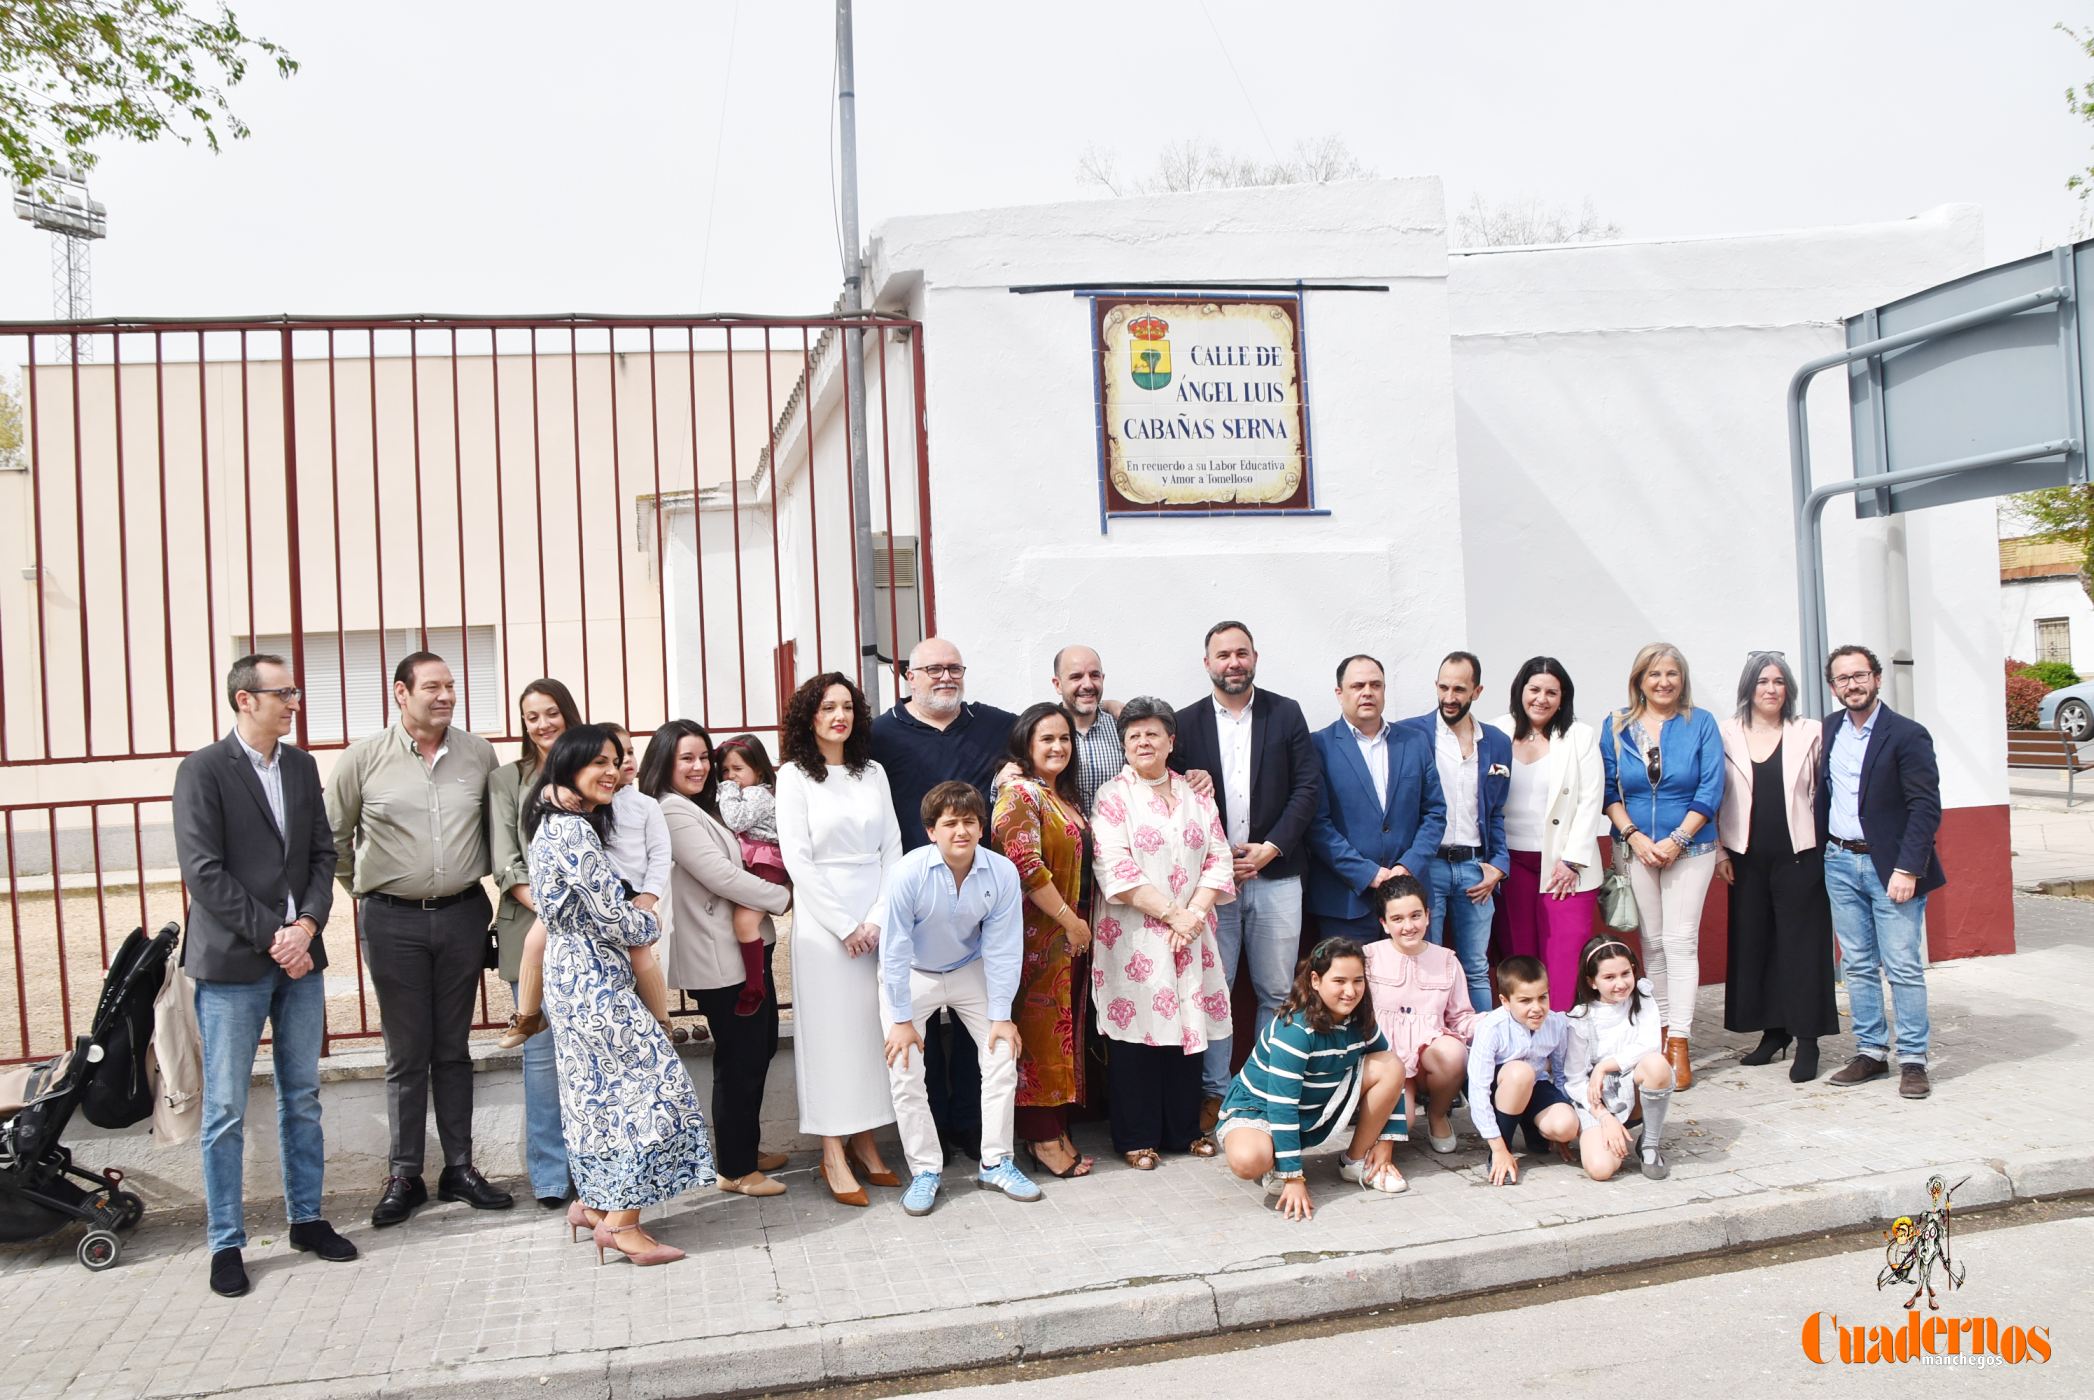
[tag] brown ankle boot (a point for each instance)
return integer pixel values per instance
(1676, 1053)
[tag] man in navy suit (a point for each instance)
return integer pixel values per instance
(1475, 766)
(1879, 805)
(1380, 813)
(1266, 777)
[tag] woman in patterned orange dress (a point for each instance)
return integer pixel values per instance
(1039, 826)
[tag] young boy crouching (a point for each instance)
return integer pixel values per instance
(1516, 1069)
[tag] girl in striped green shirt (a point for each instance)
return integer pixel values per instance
(1320, 1061)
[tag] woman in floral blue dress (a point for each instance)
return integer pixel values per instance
(635, 1134)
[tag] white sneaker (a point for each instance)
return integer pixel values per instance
(1386, 1180)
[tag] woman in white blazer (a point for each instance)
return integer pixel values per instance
(1552, 818)
(706, 882)
(1779, 979)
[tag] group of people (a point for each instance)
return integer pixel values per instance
(999, 918)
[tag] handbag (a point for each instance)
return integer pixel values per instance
(1617, 896)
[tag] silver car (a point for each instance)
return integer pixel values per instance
(2070, 710)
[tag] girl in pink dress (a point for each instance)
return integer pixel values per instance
(1421, 1002)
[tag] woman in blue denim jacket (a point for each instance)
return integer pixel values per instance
(1664, 765)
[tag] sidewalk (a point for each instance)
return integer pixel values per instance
(797, 1290)
(2053, 843)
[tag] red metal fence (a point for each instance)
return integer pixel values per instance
(655, 510)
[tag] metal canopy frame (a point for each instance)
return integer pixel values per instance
(1810, 501)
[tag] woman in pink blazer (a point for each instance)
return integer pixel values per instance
(1780, 975)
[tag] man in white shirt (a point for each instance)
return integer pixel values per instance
(1266, 784)
(1475, 767)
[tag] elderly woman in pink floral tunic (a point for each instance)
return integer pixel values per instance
(1162, 865)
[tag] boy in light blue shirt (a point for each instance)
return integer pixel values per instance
(952, 935)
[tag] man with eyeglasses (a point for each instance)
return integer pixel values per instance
(251, 834)
(935, 736)
(1879, 805)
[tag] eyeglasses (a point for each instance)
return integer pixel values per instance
(285, 693)
(935, 671)
(1852, 678)
(1652, 768)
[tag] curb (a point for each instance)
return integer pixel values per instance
(1179, 1309)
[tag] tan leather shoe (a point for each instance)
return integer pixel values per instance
(754, 1184)
(771, 1161)
(1210, 1113)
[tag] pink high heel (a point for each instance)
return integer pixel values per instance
(578, 1220)
(659, 1253)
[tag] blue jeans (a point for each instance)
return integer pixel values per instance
(1265, 920)
(229, 1017)
(545, 1146)
(1446, 889)
(1879, 938)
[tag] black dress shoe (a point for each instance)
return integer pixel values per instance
(553, 1202)
(402, 1195)
(467, 1185)
(319, 1237)
(228, 1274)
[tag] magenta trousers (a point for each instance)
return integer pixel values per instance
(1553, 930)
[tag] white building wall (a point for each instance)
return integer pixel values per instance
(1625, 469)
(1022, 566)
(2023, 601)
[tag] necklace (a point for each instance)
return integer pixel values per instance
(1155, 782)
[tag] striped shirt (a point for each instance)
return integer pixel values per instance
(1295, 1076)
(1099, 756)
(1499, 1041)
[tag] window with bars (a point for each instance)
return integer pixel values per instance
(348, 679)
(2054, 639)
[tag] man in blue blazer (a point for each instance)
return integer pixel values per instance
(1380, 812)
(1879, 806)
(1475, 767)
(1266, 778)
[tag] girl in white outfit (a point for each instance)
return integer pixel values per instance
(1615, 1058)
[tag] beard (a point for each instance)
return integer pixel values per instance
(940, 705)
(1236, 685)
(1460, 714)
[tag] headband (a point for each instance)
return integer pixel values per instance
(1601, 951)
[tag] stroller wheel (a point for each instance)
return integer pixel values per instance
(129, 1207)
(98, 1249)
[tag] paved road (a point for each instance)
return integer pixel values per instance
(1725, 1334)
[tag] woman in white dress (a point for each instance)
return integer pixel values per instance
(837, 830)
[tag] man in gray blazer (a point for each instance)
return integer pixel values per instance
(258, 856)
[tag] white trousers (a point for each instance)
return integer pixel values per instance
(965, 991)
(1668, 909)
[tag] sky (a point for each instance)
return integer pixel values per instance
(523, 156)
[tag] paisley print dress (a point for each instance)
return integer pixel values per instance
(1145, 992)
(635, 1134)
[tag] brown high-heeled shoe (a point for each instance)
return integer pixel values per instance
(849, 1198)
(1682, 1071)
(878, 1176)
(655, 1252)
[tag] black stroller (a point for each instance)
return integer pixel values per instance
(106, 1069)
